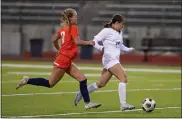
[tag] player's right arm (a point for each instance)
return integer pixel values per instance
(100, 37)
(55, 39)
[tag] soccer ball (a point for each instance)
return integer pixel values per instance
(148, 105)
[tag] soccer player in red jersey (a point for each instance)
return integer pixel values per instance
(69, 36)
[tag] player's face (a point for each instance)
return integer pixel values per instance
(74, 18)
(120, 25)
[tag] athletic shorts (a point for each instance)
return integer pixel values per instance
(109, 63)
(62, 61)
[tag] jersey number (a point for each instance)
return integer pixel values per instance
(62, 36)
(117, 44)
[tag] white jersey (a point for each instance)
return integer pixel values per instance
(111, 40)
(113, 44)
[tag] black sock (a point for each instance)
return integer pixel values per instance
(84, 91)
(39, 82)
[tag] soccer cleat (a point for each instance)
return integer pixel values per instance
(92, 105)
(22, 82)
(77, 98)
(127, 107)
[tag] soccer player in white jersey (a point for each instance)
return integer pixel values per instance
(111, 37)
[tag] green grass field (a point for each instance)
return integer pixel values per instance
(161, 83)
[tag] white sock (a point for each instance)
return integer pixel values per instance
(91, 88)
(122, 92)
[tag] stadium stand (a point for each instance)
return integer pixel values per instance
(141, 13)
(34, 11)
(147, 12)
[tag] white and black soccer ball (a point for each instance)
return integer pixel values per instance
(148, 105)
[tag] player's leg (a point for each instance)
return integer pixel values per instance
(105, 77)
(74, 72)
(118, 71)
(103, 80)
(53, 79)
(60, 65)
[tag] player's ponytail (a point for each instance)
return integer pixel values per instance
(116, 18)
(108, 25)
(66, 15)
(64, 19)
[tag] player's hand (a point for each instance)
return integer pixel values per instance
(132, 50)
(90, 43)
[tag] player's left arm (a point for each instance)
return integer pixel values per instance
(75, 36)
(82, 42)
(126, 49)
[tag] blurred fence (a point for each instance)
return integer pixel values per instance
(40, 19)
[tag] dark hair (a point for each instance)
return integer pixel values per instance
(116, 18)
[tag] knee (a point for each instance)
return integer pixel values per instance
(124, 78)
(81, 78)
(100, 85)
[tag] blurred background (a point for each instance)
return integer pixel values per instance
(153, 27)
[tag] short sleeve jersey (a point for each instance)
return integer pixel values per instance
(68, 46)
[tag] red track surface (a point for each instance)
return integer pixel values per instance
(125, 59)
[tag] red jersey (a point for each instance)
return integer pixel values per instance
(68, 46)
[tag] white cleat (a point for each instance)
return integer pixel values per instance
(92, 105)
(22, 82)
(127, 107)
(77, 98)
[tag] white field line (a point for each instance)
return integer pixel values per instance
(81, 113)
(101, 91)
(158, 85)
(112, 80)
(93, 68)
(167, 80)
(130, 77)
(46, 73)
(90, 75)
